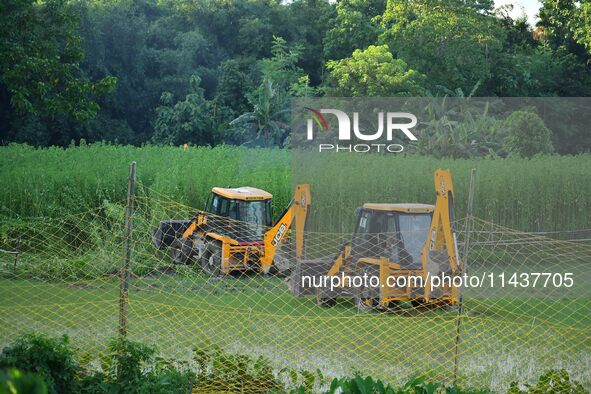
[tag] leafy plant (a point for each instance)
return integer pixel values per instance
(267, 123)
(40, 54)
(374, 72)
(239, 372)
(51, 359)
(133, 367)
(527, 135)
(551, 382)
(128, 367)
(192, 120)
(460, 129)
(14, 381)
(358, 384)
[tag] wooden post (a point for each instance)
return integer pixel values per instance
(465, 249)
(124, 273)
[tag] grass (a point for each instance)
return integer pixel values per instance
(64, 210)
(542, 194)
(258, 316)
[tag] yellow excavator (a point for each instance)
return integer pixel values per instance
(236, 232)
(392, 241)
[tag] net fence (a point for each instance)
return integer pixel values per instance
(63, 276)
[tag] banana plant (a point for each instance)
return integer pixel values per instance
(265, 124)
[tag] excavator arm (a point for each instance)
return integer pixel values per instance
(441, 247)
(297, 211)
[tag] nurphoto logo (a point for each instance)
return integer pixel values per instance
(395, 122)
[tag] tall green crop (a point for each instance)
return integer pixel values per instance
(546, 193)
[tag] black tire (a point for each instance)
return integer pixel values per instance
(281, 266)
(420, 303)
(451, 308)
(416, 303)
(364, 299)
(393, 307)
(181, 251)
(323, 300)
(211, 261)
(366, 304)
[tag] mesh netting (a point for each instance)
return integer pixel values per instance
(66, 279)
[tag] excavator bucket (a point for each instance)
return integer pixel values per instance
(167, 231)
(299, 284)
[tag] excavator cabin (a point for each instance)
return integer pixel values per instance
(246, 204)
(396, 231)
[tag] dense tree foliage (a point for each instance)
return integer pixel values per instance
(374, 72)
(527, 135)
(40, 77)
(582, 30)
(449, 41)
(211, 72)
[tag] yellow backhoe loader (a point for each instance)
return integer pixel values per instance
(392, 241)
(236, 232)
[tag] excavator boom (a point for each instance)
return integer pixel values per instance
(440, 252)
(297, 210)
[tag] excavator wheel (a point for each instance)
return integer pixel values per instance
(323, 300)
(282, 265)
(365, 299)
(211, 260)
(366, 304)
(181, 251)
(417, 303)
(421, 303)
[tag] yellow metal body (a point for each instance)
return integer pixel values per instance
(442, 237)
(404, 208)
(440, 240)
(257, 255)
(245, 193)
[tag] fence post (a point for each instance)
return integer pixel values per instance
(124, 273)
(467, 231)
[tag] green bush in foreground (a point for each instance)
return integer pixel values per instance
(51, 359)
(242, 373)
(14, 381)
(50, 366)
(418, 385)
(132, 367)
(128, 367)
(550, 382)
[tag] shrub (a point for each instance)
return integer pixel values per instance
(128, 367)
(132, 367)
(527, 135)
(49, 358)
(358, 385)
(238, 372)
(14, 381)
(551, 382)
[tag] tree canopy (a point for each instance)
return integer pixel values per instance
(211, 72)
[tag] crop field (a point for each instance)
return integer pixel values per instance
(64, 210)
(257, 316)
(550, 193)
